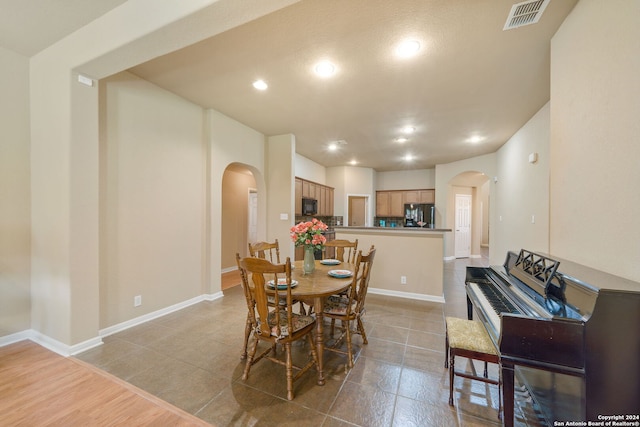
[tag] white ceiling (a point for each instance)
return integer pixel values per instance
(29, 26)
(470, 78)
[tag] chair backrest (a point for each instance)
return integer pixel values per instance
(342, 248)
(261, 271)
(262, 249)
(359, 292)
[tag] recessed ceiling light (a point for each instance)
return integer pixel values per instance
(408, 48)
(353, 162)
(401, 139)
(475, 139)
(260, 85)
(408, 130)
(408, 158)
(334, 145)
(325, 69)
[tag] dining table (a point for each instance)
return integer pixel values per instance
(317, 286)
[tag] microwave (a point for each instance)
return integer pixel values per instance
(309, 206)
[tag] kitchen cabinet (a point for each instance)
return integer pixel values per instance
(298, 197)
(382, 203)
(396, 204)
(427, 196)
(419, 196)
(321, 194)
(391, 203)
(311, 190)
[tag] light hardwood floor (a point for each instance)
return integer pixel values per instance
(230, 279)
(41, 388)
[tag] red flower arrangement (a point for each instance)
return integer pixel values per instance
(309, 233)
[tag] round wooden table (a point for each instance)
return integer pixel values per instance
(318, 286)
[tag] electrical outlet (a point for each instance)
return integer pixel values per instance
(137, 300)
(403, 280)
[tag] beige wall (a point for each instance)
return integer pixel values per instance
(595, 128)
(153, 213)
(522, 190)
(64, 148)
(406, 180)
(310, 170)
(15, 264)
(415, 255)
(280, 217)
(231, 142)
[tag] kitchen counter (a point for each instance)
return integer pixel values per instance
(396, 229)
(409, 261)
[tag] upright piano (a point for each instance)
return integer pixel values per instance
(570, 334)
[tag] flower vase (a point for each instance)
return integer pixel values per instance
(309, 264)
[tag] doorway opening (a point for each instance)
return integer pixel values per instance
(357, 214)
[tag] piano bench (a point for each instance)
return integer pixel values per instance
(468, 338)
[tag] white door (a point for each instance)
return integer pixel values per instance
(463, 226)
(252, 234)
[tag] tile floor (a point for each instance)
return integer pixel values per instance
(190, 358)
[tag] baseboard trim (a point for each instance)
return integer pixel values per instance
(50, 343)
(70, 350)
(229, 269)
(17, 337)
(407, 295)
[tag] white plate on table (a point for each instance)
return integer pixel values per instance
(340, 274)
(282, 283)
(330, 261)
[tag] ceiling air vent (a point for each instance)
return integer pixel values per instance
(525, 13)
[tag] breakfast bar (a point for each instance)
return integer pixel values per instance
(409, 263)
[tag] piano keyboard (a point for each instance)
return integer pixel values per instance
(492, 302)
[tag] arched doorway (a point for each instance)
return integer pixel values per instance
(468, 212)
(239, 221)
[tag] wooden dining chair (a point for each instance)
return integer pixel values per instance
(274, 325)
(341, 248)
(265, 250)
(271, 300)
(350, 308)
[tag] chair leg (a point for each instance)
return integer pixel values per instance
(486, 372)
(247, 332)
(289, 366)
(333, 327)
(361, 330)
(451, 370)
(446, 351)
(252, 354)
(349, 345)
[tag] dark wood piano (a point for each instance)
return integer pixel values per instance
(569, 333)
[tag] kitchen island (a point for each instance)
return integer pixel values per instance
(410, 253)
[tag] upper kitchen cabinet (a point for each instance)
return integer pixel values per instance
(391, 203)
(311, 190)
(419, 196)
(298, 197)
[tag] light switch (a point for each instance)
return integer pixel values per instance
(284, 216)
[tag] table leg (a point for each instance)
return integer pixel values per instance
(318, 306)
